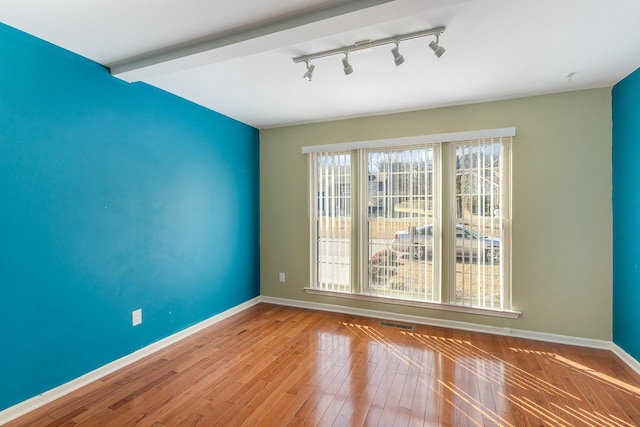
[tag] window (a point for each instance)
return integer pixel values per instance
(422, 220)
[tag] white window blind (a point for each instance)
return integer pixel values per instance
(403, 222)
(426, 222)
(331, 207)
(479, 212)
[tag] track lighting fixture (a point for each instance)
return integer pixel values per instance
(366, 45)
(397, 58)
(309, 74)
(348, 69)
(437, 49)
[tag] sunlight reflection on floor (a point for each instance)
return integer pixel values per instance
(492, 387)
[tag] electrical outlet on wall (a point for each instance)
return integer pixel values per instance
(136, 317)
(281, 277)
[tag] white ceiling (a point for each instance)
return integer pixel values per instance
(235, 57)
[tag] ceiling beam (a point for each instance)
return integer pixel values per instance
(241, 43)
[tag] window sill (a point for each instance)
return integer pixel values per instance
(509, 314)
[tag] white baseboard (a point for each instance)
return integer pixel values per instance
(626, 357)
(35, 402)
(532, 335)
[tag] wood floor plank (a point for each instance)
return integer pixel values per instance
(273, 365)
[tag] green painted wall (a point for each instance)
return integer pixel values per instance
(561, 205)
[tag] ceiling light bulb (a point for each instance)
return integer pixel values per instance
(309, 74)
(397, 58)
(437, 49)
(348, 69)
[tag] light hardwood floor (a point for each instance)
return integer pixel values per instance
(276, 366)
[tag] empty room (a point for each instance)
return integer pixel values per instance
(320, 212)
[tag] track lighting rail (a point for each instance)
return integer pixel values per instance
(365, 45)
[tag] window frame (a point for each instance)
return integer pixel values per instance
(359, 240)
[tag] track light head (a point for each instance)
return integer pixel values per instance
(437, 49)
(348, 69)
(397, 58)
(309, 74)
(368, 45)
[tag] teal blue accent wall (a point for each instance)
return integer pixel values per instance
(626, 214)
(113, 197)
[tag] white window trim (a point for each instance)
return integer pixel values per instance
(411, 140)
(404, 141)
(508, 314)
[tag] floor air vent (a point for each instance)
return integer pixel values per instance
(397, 326)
